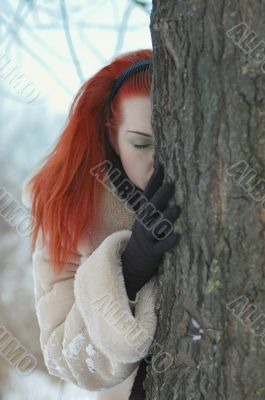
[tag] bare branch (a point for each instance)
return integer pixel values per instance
(38, 59)
(70, 42)
(123, 28)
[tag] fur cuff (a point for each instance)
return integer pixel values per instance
(105, 307)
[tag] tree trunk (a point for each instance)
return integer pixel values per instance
(208, 117)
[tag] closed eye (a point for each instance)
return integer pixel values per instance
(139, 146)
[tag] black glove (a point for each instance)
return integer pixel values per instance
(143, 252)
(137, 391)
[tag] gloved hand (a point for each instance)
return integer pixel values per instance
(143, 252)
(137, 391)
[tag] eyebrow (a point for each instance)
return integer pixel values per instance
(141, 133)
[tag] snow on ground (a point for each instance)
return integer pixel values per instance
(39, 386)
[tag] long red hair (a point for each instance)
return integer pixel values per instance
(65, 195)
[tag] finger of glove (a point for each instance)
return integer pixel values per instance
(148, 217)
(166, 244)
(169, 215)
(172, 213)
(162, 196)
(154, 182)
(146, 228)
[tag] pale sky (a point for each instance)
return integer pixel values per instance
(94, 47)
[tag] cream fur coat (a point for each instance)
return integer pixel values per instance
(91, 334)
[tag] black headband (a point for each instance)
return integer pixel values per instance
(141, 65)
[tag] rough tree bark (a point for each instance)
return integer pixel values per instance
(208, 99)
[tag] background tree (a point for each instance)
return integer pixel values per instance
(208, 120)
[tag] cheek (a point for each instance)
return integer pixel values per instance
(137, 165)
(136, 162)
(129, 158)
(126, 151)
(132, 156)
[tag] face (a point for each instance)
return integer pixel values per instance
(134, 142)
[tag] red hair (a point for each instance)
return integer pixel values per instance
(65, 195)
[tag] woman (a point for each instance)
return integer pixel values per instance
(91, 251)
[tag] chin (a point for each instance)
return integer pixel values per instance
(139, 186)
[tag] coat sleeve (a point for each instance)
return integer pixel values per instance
(91, 334)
